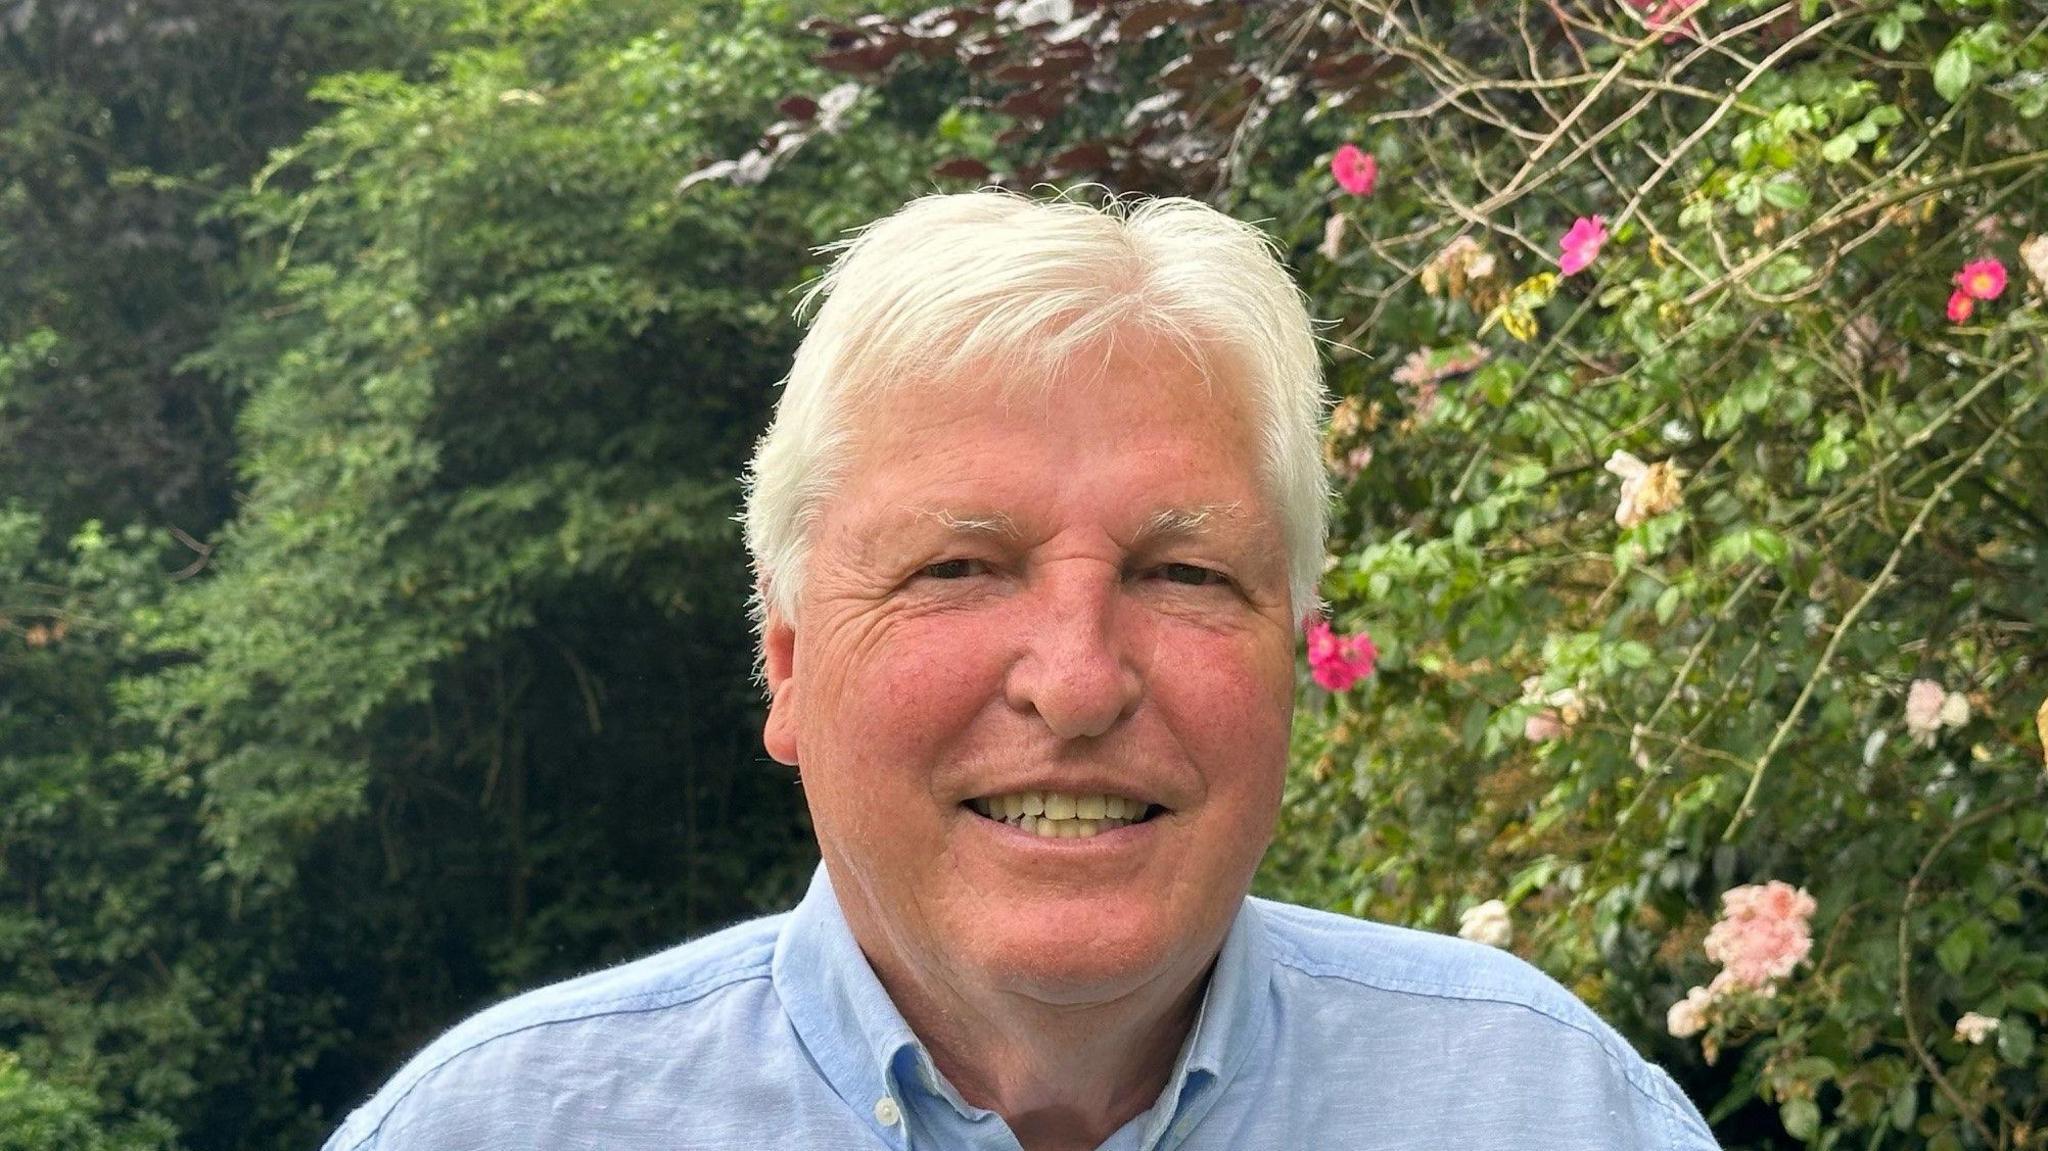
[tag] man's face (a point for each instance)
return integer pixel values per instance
(1077, 594)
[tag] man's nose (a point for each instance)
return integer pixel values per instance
(1075, 671)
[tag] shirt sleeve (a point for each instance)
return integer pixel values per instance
(347, 1138)
(1685, 1129)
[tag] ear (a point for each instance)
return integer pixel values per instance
(778, 657)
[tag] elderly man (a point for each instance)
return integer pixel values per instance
(1038, 518)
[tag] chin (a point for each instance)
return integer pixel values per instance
(1081, 960)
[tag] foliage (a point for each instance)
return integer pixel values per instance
(35, 1116)
(458, 699)
(1652, 543)
(123, 124)
(1854, 513)
(442, 689)
(129, 992)
(114, 961)
(466, 683)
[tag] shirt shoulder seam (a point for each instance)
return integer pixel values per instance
(1629, 1074)
(575, 1013)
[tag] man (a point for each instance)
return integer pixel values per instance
(1035, 526)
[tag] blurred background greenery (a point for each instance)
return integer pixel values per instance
(374, 376)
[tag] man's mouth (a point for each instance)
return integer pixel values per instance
(1061, 815)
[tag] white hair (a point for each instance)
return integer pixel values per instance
(1012, 288)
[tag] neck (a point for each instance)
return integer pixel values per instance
(1062, 1076)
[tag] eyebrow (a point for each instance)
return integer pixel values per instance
(1164, 526)
(1181, 523)
(973, 524)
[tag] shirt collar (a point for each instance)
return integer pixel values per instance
(839, 1009)
(867, 1051)
(1228, 1028)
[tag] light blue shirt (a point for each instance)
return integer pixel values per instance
(1316, 1031)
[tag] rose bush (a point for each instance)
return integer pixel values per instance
(1691, 410)
(1829, 489)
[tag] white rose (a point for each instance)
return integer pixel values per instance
(1924, 700)
(2034, 254)
(1975, 1028)
(1647, 490)
(1955, 709)
(1487, 923)
(1688, 1016)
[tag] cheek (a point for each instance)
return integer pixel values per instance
(1225, 683)
(1233, 706)
(902, 690)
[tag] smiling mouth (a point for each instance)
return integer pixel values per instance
(1061, 815)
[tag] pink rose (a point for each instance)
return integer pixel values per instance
(1543, 727)
(1960, 305)
(1355, 169)
(1981, 279)
(1669, 17)
(1762, 935)
(1978, 280)
(1335, 660)
(1930, 708)
(1582, 244)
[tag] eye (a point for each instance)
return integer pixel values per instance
(951, 569)
(1191, 575)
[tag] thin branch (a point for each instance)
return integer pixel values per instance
(1855, 612)
(1727, 105)
(1919, 1049)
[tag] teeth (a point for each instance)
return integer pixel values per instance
(1057, 815)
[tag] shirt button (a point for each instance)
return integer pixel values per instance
(886, 1112)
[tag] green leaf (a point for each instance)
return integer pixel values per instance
(1839, 148)
(1667, 603)
(1906, 1106)
(2030, 996)
(1782, 275)
(1768, 544)
(1813, 1069)
(1475, 723)
(1729, 549)
(1633, 655)
(1952, 71)
(2015, 1040)
(1801, 1118)
(1531, 878)
(1955, 952)
(1889, 32)
(1786, 194)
